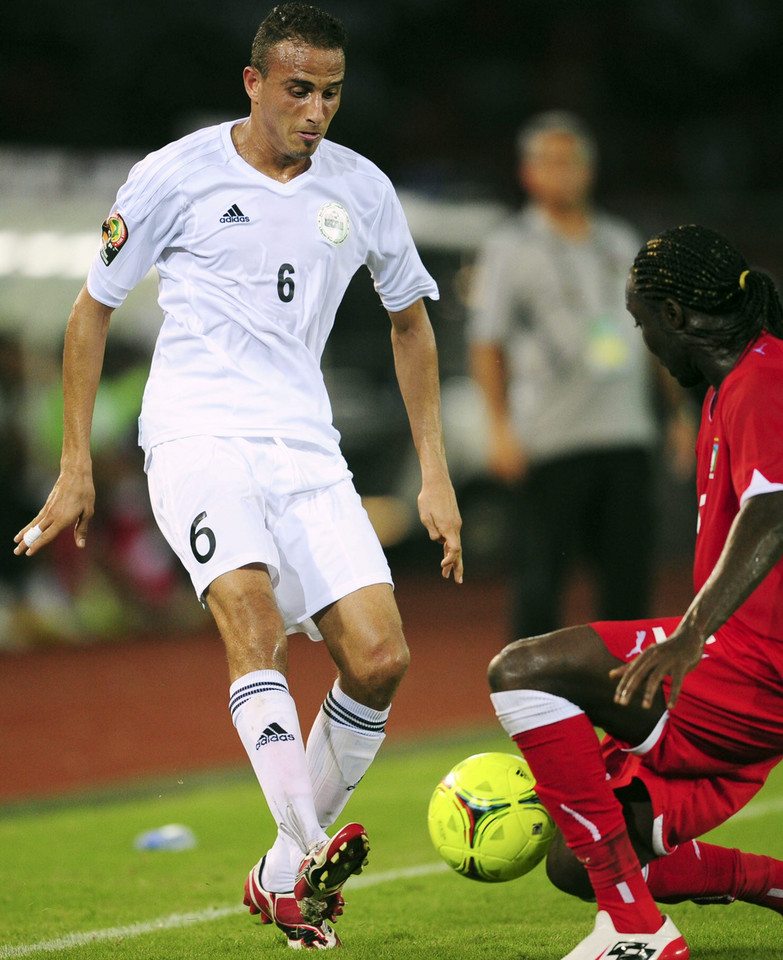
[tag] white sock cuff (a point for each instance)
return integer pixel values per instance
(521, 710)
(252, 685)
(343, 711)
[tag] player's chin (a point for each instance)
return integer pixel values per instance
(306, 148)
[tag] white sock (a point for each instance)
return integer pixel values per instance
(264, 714)
(342, 744)
(520, 710)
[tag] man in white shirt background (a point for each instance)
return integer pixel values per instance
(568, 388)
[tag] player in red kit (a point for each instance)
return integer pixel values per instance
(692, 706)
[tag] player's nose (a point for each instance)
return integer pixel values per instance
(317, 111)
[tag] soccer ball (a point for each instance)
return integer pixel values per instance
(486, 821)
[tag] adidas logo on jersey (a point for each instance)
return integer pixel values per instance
(234, 215)
(274, 733)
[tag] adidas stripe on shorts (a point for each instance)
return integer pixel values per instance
(224, 502)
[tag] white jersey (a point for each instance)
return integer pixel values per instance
(251, 273)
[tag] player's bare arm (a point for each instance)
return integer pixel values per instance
(72, 500)
(753, 547)
(416, 364)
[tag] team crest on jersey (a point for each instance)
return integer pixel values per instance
(333, 222)
(114, 234)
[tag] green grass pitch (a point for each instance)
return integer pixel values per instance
(73, 885)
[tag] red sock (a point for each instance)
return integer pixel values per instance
(703, 872)
(571, 782)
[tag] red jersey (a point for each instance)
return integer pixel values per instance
(739, 454)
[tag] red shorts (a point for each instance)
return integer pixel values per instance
(720, 741)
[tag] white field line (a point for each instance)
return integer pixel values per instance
(177, 920)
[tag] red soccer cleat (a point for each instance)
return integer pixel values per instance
(282, 910)
(324, 871)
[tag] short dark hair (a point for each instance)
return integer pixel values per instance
(699, 268)
(298, 22)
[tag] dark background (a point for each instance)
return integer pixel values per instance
(685, 96)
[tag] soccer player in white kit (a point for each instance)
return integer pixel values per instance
(255, 228)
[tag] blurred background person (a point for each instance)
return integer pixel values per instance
(567, 384)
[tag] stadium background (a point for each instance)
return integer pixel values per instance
(685, 99)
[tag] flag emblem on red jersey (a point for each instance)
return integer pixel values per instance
(714, 457)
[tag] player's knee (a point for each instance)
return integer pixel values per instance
(520, 665)
(374, 678)
(565, 872)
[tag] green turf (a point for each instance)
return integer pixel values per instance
(71, 869)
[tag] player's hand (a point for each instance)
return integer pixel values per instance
(674, 657)
(440, 515)
(71, 503)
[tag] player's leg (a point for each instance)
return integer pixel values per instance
(707, 873)
(264, 713)
(363, 633)
(681, 807)
(694, 870)
(568, 874)
(212, 510)
(335, 579)
(548, 693)
(686, 809)
(574, 664)
(333, 571)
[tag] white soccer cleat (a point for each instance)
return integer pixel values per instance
(605, 943)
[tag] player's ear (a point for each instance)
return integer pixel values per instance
(673, 314)
(253, 80)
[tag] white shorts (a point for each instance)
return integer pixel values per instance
(224, 502)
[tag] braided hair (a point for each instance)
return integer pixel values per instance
(700, 269)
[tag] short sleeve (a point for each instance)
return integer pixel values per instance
(398, 273)
(133, 237)
(753, 417)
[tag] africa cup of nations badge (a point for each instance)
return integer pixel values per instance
(333, 222)
(114, 235)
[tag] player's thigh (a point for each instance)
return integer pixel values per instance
(327, 546)
(685, 808)
(245, 610)
(209, 507)
(575, 664)
(363, 631)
